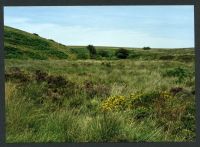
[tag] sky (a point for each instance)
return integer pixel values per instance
(121, 26)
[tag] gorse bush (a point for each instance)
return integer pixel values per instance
(133, 101)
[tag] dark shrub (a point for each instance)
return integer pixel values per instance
(93, 90)
(184, 95)
(16, 74)
(141, 112)
(149, 98)
(103, 53)
(186, 58)
(175, 90)
(35, 34)
(51, 40)
(56, 81)
(92, 51)
(13, 52)
(168, 57)
(122, 53)
(40, 76)
(146, 48)
(60, 88)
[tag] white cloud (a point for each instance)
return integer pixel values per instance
(78, 35)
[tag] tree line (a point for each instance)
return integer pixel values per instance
(121, 53)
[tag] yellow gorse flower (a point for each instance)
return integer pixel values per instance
(113, 103)
(120, 102)
(166, 95)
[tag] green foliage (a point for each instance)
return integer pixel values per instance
(57, 54)
(185, 58)
(122, 53)
(13, 52)
(92, 51)
(19, 38)
(146, 48)
(22, 45)
(134, 55)
(82, 53)
(103, 53)
(142, 112)
(168, 57)
(180, 73)
(105, 128)
(69, 103)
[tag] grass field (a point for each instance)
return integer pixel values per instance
(56, 93)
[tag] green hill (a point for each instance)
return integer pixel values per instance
(23, 45)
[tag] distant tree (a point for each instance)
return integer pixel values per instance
(103, 53)
(146, 48)
(92, 51)
(122, 53)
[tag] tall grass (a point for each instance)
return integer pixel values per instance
(36, 112)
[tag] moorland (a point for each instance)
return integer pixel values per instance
(60, 93)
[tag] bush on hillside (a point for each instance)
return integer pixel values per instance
(146, 48)
(35, 34)
(103, 53)
(122, 53)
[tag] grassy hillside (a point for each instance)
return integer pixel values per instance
(23, 45)
(148, 97)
